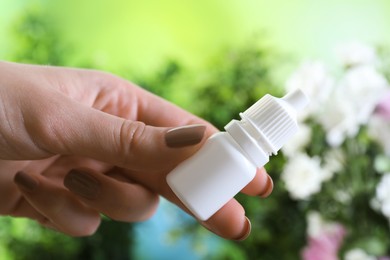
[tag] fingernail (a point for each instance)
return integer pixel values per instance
(247, 230)
(268, 188)
(185, 135)
(82, 184)
(25, 181)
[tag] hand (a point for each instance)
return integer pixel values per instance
(107, 138)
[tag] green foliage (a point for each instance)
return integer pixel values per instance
(113, 240)
(166, 82)
(37, 39)
(24, 239)
(358, 179)
(232, 82)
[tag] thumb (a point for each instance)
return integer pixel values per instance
(130, 144)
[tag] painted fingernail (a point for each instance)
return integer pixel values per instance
(83, 184)
(268, 188)
(185, 135)
(25, 181)
(247, 230)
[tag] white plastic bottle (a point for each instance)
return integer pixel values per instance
(227, 162)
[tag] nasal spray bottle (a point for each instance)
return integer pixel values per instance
(227, 161)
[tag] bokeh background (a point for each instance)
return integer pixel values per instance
(214, 58)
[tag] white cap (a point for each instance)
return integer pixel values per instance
(269, 123)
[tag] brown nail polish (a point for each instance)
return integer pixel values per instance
(82, 184)
(268, 188)
(25, 181)
(247, 230)
(185, 135)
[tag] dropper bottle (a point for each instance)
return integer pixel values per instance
(227, 161)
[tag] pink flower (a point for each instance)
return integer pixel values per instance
(325, 246)
(383, 107)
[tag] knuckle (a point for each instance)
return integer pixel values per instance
(46, 129)
(130, 138)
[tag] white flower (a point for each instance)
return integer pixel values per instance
(352, 103)
(313, 79)
(375, 204)
(356, 53)
(334, 160)
(342, 196)
(383, 194)
(316, 225)
(379, 130)
(358, 254)
(298, 142)
(303, 176)
(338, 118)
(365, 87)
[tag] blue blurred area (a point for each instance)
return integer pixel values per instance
(153, 240)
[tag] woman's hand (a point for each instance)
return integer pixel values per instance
(112, 142)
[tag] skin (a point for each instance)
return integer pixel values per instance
(56, 119)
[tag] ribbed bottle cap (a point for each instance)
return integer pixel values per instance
(273, 120)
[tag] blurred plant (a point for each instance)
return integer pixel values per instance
(37, 39)
(232, 82)
(25, 239)
(338, 165)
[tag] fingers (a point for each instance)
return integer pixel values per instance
(117, 132)
(118, 200)
(24, 209)
(127, 203)
(230, 222)
(54, 207)
(130, 144)
(261, 185)
(61, 211)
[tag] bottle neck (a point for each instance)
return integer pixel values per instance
(259, 137)
(246, 137)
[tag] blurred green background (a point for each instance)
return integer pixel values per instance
(213, 58)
